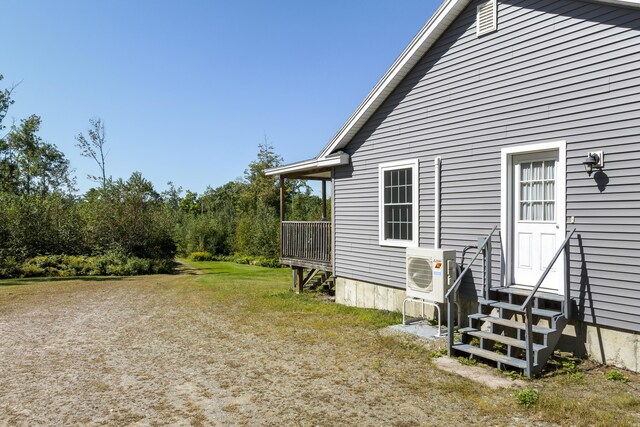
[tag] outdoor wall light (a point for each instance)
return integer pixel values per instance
(595, 159)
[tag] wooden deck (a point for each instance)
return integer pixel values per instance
(306, 244)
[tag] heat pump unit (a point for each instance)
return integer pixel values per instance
(430, 273)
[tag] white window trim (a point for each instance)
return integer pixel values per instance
(400, 164)
(506, 193)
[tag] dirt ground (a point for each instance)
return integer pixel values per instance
(157, 351)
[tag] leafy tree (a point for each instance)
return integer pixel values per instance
(5, 102)
(129, 216)
(94, 148)
(258, 223)
(30, 165)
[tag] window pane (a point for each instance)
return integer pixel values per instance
(525, 212)
(402, 194)
(402, 177)
(409, 232)
(387, 178)
(549, 169)
(396, 230)
(387, 195)
(524, 192)
(394, 194)
(536, 191)
(394, 178)
(536, 210)
(409, 176)
(549, 191)
(549, 211)
(536, 170)
(525, 172)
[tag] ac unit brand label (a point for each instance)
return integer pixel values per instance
(437, 267)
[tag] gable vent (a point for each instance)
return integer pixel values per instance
(487, 17)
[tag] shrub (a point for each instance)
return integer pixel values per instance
(617, 376)
(137, 266)
(9, 267)
(201, 256)
(112, 263)
(162, 266)
(260, 261)
(272, 263)
(527, 397)
(77, 265)
(31, 270)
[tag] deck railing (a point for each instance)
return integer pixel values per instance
(307, 241)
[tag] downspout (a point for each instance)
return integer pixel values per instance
(333, 221)
(436, 203)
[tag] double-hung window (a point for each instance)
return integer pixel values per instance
(399, 203)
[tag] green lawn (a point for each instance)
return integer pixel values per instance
(573, 395)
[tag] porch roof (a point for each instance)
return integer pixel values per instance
(312, 168)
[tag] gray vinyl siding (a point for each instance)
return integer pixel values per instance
(554, 70)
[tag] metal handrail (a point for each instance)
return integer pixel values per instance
(479, 251)
(456, 284)
(528, 311)
(546, 271)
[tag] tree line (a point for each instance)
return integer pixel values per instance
(125, 226)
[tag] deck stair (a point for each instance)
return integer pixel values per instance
(319, 280)
(497, 331)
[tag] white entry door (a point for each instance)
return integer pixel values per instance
(538, 230)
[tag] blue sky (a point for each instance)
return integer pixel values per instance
(188, 89)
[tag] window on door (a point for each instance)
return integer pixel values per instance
(537, 191)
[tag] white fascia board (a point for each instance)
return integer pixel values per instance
(306, 165)
(420, 44)
(624, 3)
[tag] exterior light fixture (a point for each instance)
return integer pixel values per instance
(595, 159)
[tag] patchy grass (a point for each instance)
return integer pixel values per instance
(568, 396)
(274, 357)
(527, 397)
(616, 376)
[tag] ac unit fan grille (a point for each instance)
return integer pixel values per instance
(420, 271)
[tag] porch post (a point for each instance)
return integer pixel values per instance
(299, 285)
(324, 199)
(281, 213)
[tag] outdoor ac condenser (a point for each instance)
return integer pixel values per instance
(430, 273)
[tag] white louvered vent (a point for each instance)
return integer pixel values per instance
(487, 17)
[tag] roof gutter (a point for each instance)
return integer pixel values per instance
(337, 159)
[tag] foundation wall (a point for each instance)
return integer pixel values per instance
(605, 345)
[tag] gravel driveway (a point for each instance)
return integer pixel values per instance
(159, 351)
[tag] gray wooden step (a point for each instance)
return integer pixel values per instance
(490, 355)
(516, 307)
(510, 323)
(526, 292)
(513, 342)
